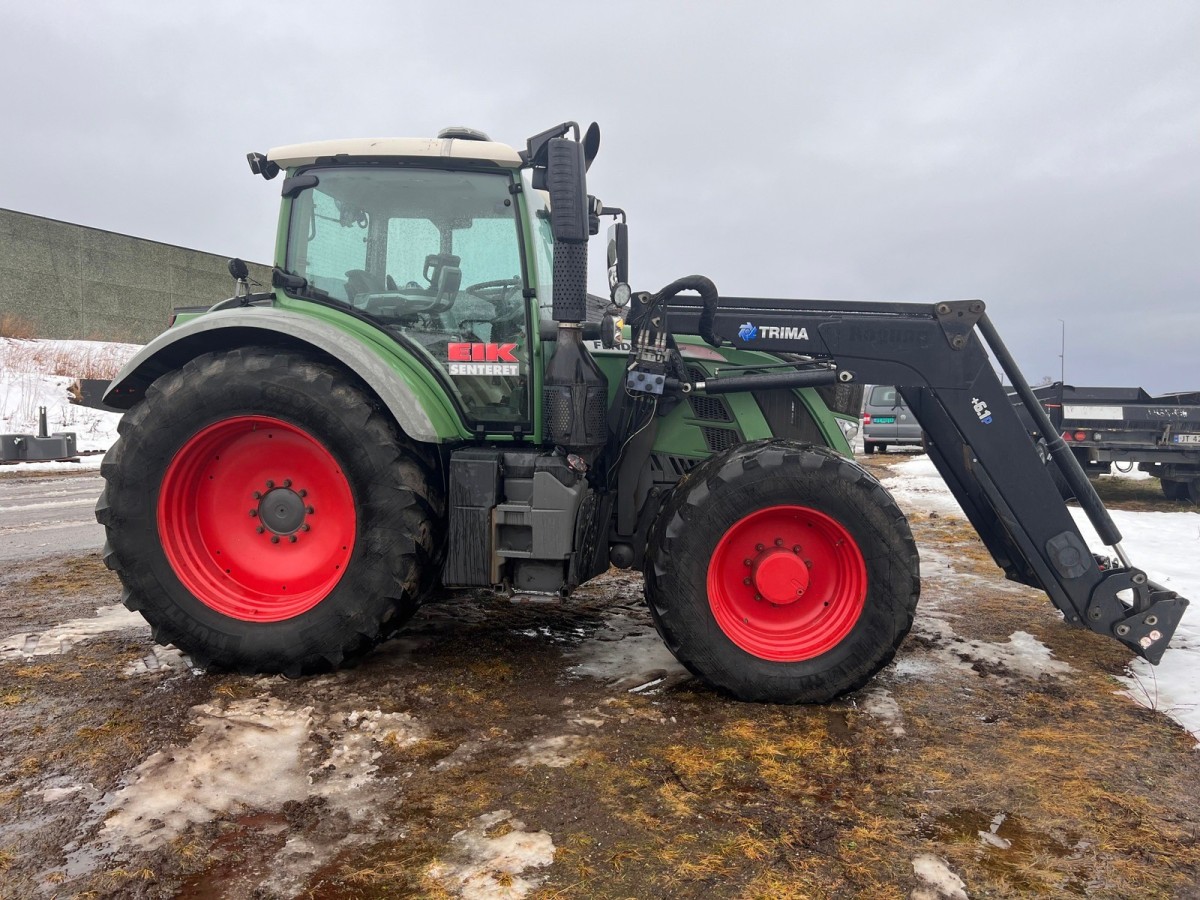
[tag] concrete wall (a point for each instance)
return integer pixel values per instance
(70, 281)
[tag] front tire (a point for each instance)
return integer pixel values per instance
(782, 573)
(263, 516)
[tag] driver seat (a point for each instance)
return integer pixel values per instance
(444, 285)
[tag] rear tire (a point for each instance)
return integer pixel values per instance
(869, 447)
(1193, 491)
(782, 573)
(263, 516)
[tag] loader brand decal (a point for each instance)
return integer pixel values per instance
(749, 332)
(981, 410)
(483, 359)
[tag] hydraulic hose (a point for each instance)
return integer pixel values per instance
(708, 296)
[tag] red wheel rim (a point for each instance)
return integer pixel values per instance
(787, 583)
(256, 518)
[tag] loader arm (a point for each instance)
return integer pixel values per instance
(937, 355)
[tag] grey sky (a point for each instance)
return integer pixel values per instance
(1042, 156)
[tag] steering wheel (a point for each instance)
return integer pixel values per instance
(497, 292)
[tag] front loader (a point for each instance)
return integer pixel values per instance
(427, 398)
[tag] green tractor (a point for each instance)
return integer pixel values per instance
(428, 398)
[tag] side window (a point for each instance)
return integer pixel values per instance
(332, 247)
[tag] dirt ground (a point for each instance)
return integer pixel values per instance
(501, 749)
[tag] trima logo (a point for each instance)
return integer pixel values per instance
(981, 410)
(749, 332)
(483, 359)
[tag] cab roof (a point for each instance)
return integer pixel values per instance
(293, 155)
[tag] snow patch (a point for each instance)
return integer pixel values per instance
(256, 754)
(61, 638)
(880, 704)
(488, 859)
(556, 752)
(160, 660)
(247, 756)
(940, 883)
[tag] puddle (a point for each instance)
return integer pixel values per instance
(628, 655)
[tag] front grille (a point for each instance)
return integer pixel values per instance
(710, 408)
(719, 439)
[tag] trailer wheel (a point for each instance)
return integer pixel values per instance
(782, 573)
(1174, 490)
(264, 517)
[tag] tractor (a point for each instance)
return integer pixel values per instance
(427, 398)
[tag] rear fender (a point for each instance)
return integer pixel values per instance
(418, 410)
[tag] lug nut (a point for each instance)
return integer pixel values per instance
(253, 513)
(309, 510)
(274, 539)
(747, 562)
(287, 482)
(257, 495)
(746, 581)
(260, 529)
(270, 484)
(302, 492)
(759, 547)
(291, 539)
(778, 542)
(796, 549)
(758, 596)
(304, 526)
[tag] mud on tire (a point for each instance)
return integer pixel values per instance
(264, 516)
(782, 573)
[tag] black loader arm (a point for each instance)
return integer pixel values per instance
(935, 354)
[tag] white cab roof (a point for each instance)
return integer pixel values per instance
(448, 148)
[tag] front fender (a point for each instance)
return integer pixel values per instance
(418, 408)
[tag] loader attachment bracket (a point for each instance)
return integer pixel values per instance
(1147, 626)
(958, 319)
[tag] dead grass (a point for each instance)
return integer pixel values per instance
(14, 326)
(99, 360)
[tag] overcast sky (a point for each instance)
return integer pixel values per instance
(1044, 157)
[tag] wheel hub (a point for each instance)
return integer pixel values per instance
(780, 576)
(281, 511)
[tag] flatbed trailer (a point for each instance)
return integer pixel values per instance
(1107, 425)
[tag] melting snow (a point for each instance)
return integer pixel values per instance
(880, 703)
(556, 752)
(61, 638)
(940, 883)
(480, 866)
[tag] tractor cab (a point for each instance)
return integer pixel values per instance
(428, 239)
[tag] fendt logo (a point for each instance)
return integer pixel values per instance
(749, 332)
(483, 359)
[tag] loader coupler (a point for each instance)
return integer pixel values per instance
(1145, 627)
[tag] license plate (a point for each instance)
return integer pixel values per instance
(891, 420)
(1187, 438)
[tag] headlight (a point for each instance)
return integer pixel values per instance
(849, 429)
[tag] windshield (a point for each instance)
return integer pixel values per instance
(435, 255)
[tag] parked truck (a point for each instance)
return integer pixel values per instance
(418, 402)
(1107, 426)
